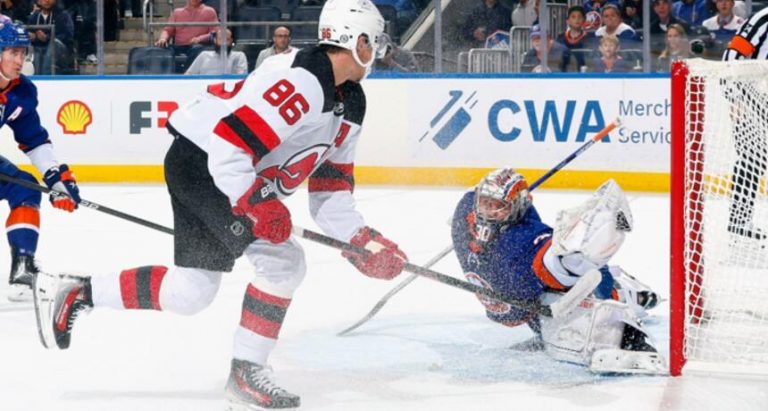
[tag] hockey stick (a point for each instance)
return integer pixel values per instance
(599, 136)
(86, 203)
(587, 283)
(379, 305)
(394, 291)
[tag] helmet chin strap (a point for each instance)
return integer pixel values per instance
(359, 61)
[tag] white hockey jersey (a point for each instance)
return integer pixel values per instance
(286, 122)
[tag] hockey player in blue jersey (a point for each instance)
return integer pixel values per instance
(502, 244)
(18, 110)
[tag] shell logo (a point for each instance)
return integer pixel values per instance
(74, 117)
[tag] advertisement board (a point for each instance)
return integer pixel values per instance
(423, 130)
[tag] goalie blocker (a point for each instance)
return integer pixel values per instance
(503, 245)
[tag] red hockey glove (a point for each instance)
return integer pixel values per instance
(59, 178)
(384, 261)
(271, 219)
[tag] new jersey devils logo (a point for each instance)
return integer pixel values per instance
(288, 176)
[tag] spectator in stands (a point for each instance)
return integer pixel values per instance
(17, 10)
(612, 25)
(739, 8)
(609, 60)
(406, 12)
(188, 40)
(597, 5)
(83, 14)
(677, 48)
(281, 43)
(532, 60)
(396, 58)
(209, 61)
(576, 42)
(131, 8)
(112, 20)
(693, 12)
(48, 12)
(485, 19)
(725, 23)
(661, 19)
(632, 13)
(526, 13)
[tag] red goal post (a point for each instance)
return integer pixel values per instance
(719, 269)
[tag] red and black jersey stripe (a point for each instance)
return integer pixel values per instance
(140, 287)
(246, 129)
(263, 313)
(332, 177)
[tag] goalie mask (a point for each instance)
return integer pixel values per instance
(501, 199)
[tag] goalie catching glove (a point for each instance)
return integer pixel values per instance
(271, 219)
(384, 260)
(586, 237)
(62, 180)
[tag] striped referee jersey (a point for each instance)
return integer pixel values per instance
(749, 42)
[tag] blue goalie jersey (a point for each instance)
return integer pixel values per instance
(511, 263)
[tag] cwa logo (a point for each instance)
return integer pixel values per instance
(508, 120)
(144, 115)
(451, 120)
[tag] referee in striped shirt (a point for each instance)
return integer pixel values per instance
(749, 42)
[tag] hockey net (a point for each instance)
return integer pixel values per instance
(719, 288)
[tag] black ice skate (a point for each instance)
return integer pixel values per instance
(250, 387)
(59, 299)
(23, 273)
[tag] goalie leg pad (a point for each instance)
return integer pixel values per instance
(595, 325)
(592, 325)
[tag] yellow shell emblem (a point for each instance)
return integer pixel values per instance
(74, 117)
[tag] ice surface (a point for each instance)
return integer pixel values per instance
(430, 348)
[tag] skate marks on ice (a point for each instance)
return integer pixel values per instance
(414, 362)
(465, 349)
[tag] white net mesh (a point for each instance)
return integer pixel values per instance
(726, 213)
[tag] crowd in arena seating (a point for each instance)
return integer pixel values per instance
(607, 35)
(593, 36)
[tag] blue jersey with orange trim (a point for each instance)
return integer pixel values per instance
(18, 109)
(508, 264)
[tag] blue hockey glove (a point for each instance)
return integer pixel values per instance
(62, 180)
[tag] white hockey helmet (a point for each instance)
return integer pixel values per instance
(343, 21)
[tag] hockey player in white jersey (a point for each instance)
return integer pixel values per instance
(238, 151)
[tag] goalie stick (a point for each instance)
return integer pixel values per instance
(394, 291)
(86, 203)
(581, 289)
(380, 304)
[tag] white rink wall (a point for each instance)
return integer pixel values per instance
(431, 130)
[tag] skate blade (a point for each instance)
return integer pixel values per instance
(43, 291)
(235, 405)
(617, 361)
